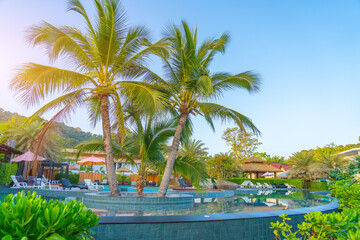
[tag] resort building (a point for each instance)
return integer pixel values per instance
(350, 154)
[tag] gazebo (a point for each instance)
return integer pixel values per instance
(256, 166)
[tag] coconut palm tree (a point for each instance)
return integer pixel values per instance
(102, 61)
(192, 85)
(193, 148)
(327, 162)
(147, 142)
(26, 135)
(303, 166)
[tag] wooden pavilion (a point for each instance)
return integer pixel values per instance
(256, 167)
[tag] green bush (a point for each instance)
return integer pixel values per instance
(73, 177)
(298, 183)
(121, 178)
(341, 226)
(318, 186)
(32, 218)
(6, 170)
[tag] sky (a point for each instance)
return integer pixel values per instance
(307, 53)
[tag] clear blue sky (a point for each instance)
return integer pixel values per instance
(307, 52)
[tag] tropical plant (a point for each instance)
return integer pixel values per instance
(193, 148)
(327, 163)
(104, 59)
(191, 85)
(29, 217)
(302, 166)
(26, 135)
(147, 143)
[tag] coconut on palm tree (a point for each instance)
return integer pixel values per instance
(192, 86)
(103, 58)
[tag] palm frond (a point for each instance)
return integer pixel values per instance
(34, 82)
(216, 111)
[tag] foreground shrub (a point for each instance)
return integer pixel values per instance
(33, 218)
(341, 226)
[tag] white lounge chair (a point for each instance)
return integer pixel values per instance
(268, 185)
(91, 185)
(18, 184)
(289, 186)
(246, 199)
(258, 185)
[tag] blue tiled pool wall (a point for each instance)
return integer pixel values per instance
(244, 229)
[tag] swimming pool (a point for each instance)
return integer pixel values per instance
(244, 202)
(245, 215)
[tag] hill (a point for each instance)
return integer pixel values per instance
(72, 136)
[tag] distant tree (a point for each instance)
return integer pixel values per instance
(222, 166)
(243, 144)
(268, 158)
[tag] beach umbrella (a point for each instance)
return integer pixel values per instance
(27, 157)
(123, 170)
(267, 174)
(150, 171)
(283, 174)
(91, 161)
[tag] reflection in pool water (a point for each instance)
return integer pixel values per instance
(262, 201)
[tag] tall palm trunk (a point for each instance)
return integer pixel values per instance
(140, 184)
(109, 161)
(172, 156)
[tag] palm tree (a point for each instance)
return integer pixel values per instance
(147, 142)
(26, 136)
(303, 166)
(192, 86)
(103, 60)
(327, 162)
(193, 148)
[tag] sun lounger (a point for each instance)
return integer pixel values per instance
(258, 185)
(182, 184)
(266, 185)
(66, 184)
(247, 183)
(18, 184)
(92, 185)
(246, 199)
(289, 186)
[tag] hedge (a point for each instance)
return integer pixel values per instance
(6, 170)
(73, 177)
(318, 186)
(298, 183)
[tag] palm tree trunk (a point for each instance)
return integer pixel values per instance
(140, 184)
(109, 161)
(172, 156)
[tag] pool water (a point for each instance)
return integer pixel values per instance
(132, 189)
(260, 201)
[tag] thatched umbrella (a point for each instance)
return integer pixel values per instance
(123, 170)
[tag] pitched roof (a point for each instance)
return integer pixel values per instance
(254, 160)
(279, 165)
